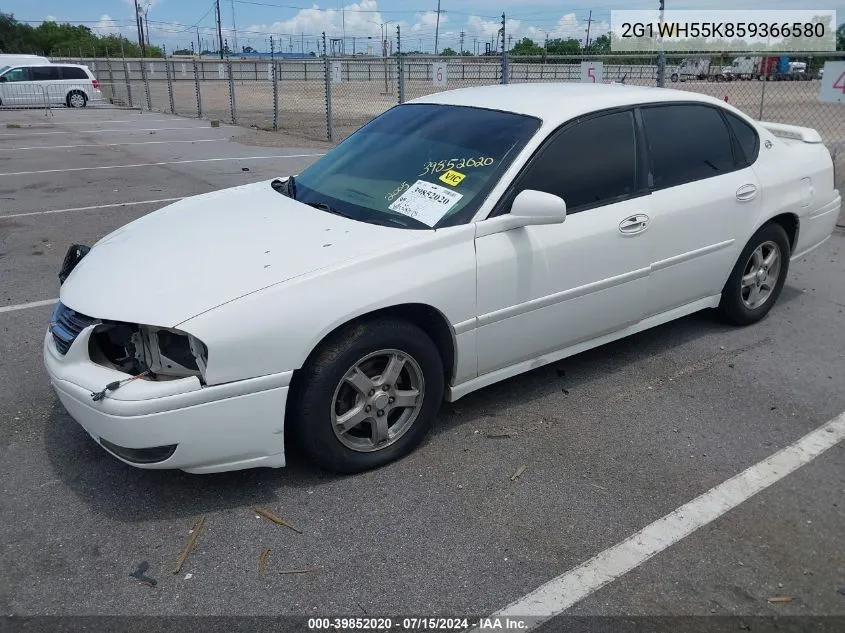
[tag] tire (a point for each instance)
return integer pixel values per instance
(76, 99)
(322, 394)
(674, 77)
(738, 305)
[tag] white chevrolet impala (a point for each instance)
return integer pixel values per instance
(453, 242)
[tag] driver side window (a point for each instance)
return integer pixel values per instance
(17, 74)
(590, 163)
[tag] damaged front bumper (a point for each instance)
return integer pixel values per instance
(175, 423)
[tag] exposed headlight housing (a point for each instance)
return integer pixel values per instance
(133, 349)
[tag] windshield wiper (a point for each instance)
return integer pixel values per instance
(285, 187)
(329, 209)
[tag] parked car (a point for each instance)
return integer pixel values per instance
(13, 59)
(454, 241)
(72, 85)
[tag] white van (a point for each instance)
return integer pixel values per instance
(72, 85)
(7, 60)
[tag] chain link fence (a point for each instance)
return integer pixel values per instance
(327, 98)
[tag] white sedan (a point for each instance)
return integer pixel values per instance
(454, 241)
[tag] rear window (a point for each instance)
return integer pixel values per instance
(44, 73)
(747, 138)
(70, 72)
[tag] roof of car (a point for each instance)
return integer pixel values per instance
(558, 101)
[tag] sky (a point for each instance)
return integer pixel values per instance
(298, 24)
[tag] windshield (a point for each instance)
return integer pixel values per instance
(417, 166)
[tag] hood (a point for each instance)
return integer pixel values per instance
(201, 252)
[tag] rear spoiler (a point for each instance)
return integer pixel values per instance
(794, 132)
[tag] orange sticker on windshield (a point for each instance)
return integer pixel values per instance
(452, 177)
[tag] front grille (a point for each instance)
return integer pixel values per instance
(65, 326)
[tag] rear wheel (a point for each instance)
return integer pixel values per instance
(367, 397)
(76, 99)
(757, 278)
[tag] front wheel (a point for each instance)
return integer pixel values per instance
(77, 100)
(367, 397)
(757, 278)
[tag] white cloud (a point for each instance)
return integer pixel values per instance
(50, 18)
(106, 26)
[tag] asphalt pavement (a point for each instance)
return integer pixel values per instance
(611, 440)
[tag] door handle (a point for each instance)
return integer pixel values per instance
(634, 224)
(746, 192)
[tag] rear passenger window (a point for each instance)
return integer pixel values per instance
(44, 73)
(746, 137)
(69, 72)
(590, 163)
(687, 143)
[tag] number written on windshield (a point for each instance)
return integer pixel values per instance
(456, 163)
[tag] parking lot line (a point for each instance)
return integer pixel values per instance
(560, 593)
(20, 149)
(91, 208)
(168, 162)
(24, 306)
(123, 130)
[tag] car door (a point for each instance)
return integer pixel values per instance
(15, 87)
(46, 83)
(545, 288)
(705, 199)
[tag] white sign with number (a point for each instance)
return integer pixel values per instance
(152, 69)
(833, 83)
(592, 72)
(426, 202)
(337, 72)
(439, 73)
(184, 69)
(269, 72)
(221, 71)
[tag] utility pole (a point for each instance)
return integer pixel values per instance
(437, 28)
(661, 56)
(199, 44)
(343, 27)
(140, 24)
(147, 27)
(219, 30)
(234, 28)
(589, 23)
(461, 52)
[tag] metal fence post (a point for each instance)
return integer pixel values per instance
(146, 86)
(400, 64)
(128, 83)
(232, 103)
(275, 96)
(197, 87)
(762, 99)
(169, 85)
(328, 84)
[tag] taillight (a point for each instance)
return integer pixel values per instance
(95, 83)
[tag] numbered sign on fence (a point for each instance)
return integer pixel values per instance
(128, 67)
(221, 71)
(337, 72)
(269, 72)
(184, 69)
(833, 83)
(592, 72)
(439, 72)
(152, 69)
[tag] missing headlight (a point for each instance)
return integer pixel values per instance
(133, 349)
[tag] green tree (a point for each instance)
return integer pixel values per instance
(448, 52)
(526, 46)
(560, 46)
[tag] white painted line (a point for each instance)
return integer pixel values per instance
(93, 119)
(24, 306)
(169, 162)
(20, 149)
(562, 592)
(140, 129)
(91, 208)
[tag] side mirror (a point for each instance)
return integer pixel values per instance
(538, 207)
(529, 208)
